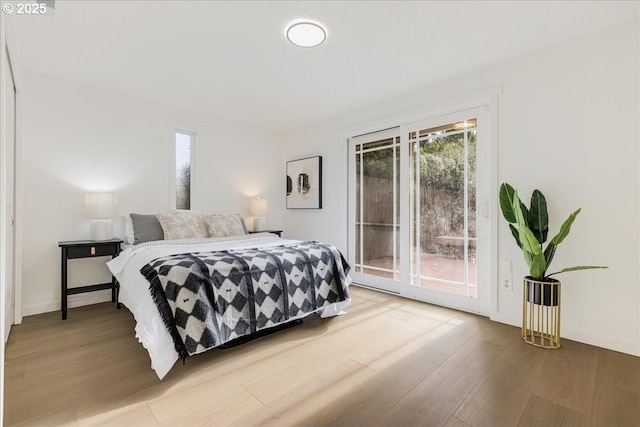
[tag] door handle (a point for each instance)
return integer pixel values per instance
(483, 209)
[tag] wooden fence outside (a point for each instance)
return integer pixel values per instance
(441, 222)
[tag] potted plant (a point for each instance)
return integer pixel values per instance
(530, 229)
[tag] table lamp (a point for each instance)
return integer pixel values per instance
(258, 209)
(100, 208)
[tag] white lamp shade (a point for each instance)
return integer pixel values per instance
(259, 207)
(100, 205)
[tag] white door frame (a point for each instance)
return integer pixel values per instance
(380, 283)
(10, 57)
(487, 100)
(8, 53)
(483, 191)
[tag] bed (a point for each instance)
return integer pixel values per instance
(193, 294)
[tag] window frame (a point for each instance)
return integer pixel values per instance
(193, 131)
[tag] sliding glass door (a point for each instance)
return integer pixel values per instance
(443, 209)
(375, 203)
(415, 225)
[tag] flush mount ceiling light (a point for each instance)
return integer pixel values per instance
(306, 34)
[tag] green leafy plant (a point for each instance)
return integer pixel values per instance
(530, 228)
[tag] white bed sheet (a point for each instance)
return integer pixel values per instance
(134, 288)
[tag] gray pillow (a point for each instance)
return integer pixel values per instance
(244, 226)
(146, 228)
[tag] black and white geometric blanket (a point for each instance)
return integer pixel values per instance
(206, 299)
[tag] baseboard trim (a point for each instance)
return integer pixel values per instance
(507, 320)
(8, 322)
(78, 300)
(610, 343)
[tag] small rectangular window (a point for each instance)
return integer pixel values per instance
(184, 148)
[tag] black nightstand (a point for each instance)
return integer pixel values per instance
(278, 232)
(87, 249)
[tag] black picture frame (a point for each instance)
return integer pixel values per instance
(304, 183)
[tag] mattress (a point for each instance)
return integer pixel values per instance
(135, 293)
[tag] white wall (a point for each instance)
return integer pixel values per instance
(79, 138)
(6, 289)
(568, 125)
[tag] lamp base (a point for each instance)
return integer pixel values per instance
(101, 229)
(259, 223)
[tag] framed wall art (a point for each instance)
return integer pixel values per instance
(304, 183)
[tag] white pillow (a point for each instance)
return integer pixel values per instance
(128, 230)
(182, 226)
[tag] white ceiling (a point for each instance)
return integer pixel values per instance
(232, 59)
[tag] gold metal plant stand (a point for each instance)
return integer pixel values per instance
(541, 313)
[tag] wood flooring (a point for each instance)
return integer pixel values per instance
(388, 362)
